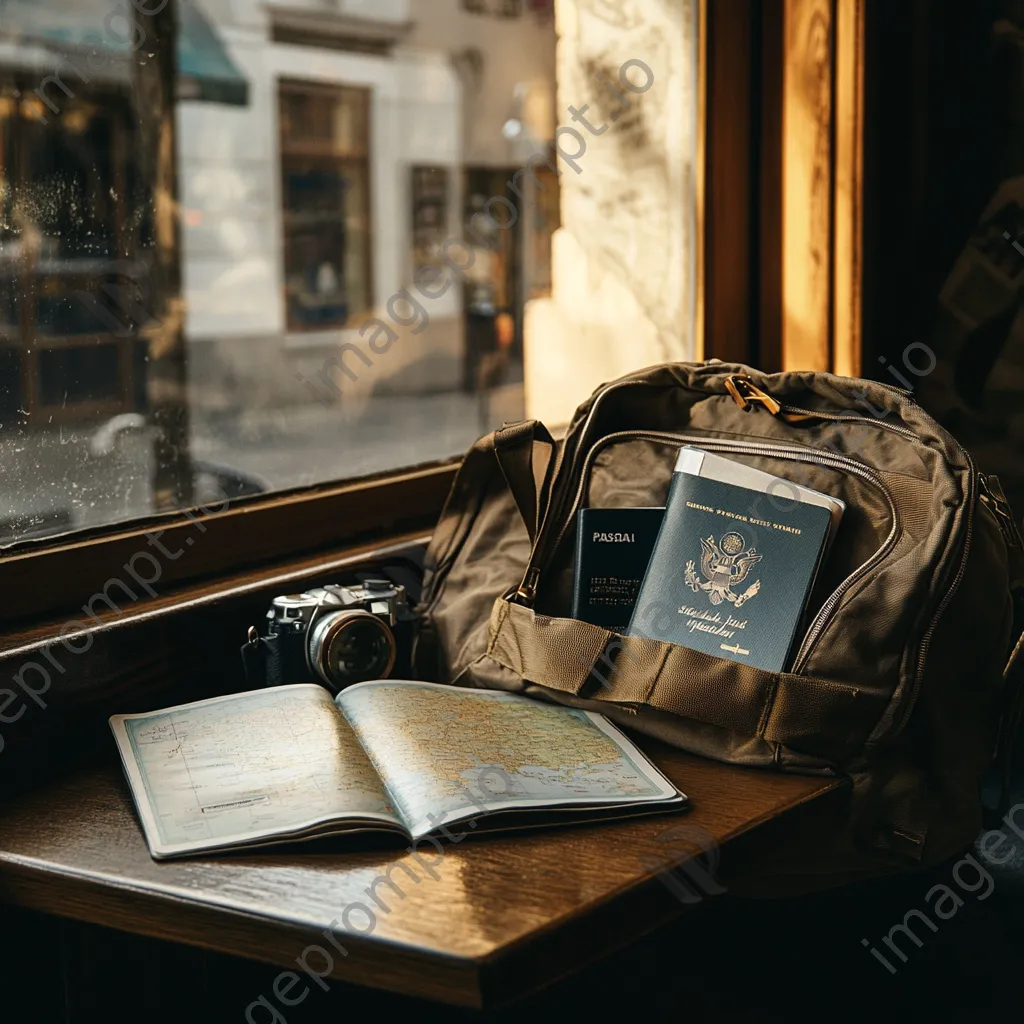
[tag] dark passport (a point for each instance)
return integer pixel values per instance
(730, 572)
(613, 547)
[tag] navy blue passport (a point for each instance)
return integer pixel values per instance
(731, 571)
(613, 547)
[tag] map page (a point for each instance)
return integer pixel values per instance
(450, 752)
(232, 771)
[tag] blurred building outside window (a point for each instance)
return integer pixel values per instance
(322, 153)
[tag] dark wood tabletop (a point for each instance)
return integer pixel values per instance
(503, 915)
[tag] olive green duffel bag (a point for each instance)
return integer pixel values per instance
(901, 682)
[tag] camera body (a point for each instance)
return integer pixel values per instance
(334, 635)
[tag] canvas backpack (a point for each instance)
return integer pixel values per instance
(904, 682)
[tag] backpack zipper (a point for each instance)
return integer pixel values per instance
(851, 418)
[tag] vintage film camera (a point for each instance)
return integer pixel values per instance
(334, 635)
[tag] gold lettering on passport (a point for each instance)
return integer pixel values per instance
(767, 524)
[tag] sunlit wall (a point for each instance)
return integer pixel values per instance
(623, 281)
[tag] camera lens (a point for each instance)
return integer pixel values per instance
(350, 647)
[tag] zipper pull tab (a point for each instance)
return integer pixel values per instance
(527, 591)
(743, 389)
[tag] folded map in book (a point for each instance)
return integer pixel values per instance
(289, 763)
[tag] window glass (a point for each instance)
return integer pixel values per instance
(248, 247)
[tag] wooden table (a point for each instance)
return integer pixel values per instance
(506, 914)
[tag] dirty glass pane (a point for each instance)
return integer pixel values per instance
(248, 247)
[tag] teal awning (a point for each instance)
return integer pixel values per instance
(205, 71)
(85, 27)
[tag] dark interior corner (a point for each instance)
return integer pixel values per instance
(943, 209)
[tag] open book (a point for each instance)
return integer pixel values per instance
(291, 762)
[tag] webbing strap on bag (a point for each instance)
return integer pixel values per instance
(525, 452)
(816, 716)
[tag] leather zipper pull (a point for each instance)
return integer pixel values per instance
(745, 392)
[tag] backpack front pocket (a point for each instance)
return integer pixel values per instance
(634, 468)
(817, 717)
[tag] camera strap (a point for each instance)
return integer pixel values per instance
(254, 661)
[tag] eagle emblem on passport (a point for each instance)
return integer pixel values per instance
(724, 564)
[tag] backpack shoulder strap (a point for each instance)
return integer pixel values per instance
(525, 453)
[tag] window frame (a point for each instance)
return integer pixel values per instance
(244, 533)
